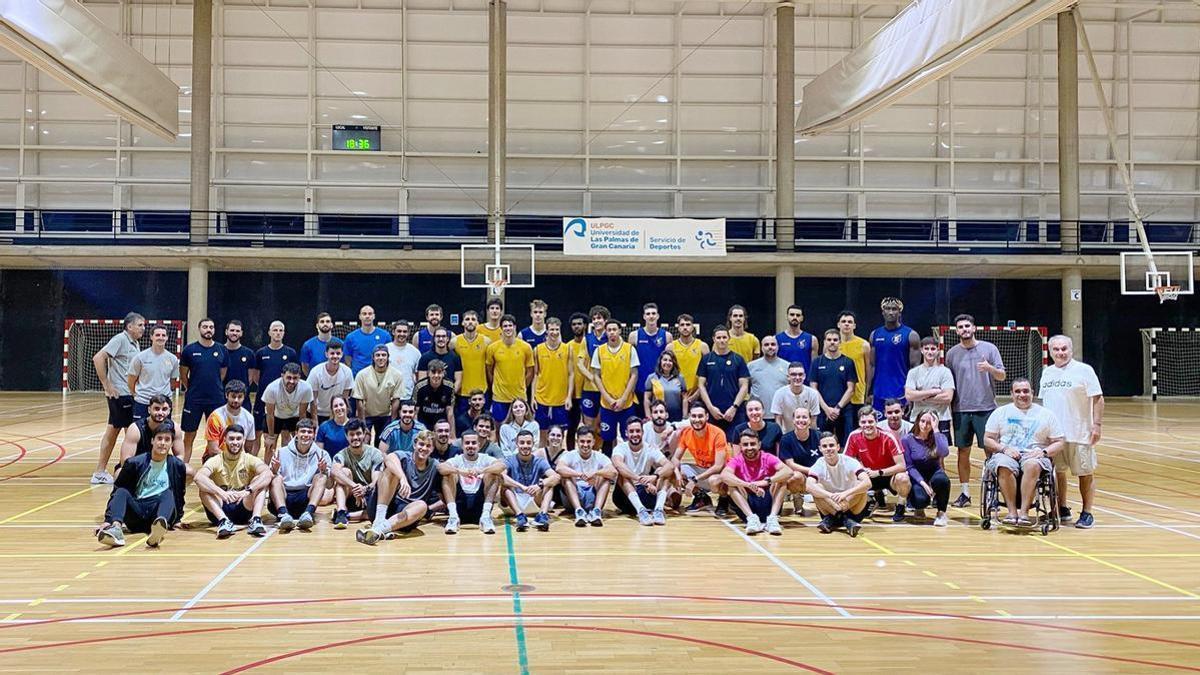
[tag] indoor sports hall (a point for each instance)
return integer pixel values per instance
(218, 218)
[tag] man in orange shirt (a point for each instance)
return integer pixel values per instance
(708, 448)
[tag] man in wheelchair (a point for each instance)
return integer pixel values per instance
(1021, 436)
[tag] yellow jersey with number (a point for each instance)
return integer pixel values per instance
(688, 356)
(745, 345)
(472, 360)
(553, 367)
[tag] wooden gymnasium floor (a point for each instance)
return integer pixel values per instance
(695, 596)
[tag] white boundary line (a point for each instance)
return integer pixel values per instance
(221, 576)
(612, 598)
(666, 617)
(791, 572)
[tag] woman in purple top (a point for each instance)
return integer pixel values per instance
(924, 450)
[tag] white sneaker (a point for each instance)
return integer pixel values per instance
(773, 526)
(452, 525)
(486, 525)
(753, 524)
(941, 521)
(644, 518)
(102, 478)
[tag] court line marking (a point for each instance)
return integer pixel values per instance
(550, 597)
(571, 554)
(221, 575)
(514, 579)
(48, 504)
(1145, 523)
(533, 618)
(791, 572)
(1118, 568)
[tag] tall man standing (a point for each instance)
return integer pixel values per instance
(615, 368)
(975, 365)
(201, 374)
(112, 364)
(151, 373)
(650, 340)
(795, 343)
(724, 382)
(404, 357)
(768, 374)
(1071, 390)
(360, 344)
(835, 377)
(312, 352)
(268, 367)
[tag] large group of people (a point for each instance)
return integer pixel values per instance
(391, 429)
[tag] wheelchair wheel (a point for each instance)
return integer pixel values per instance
(1045, 528)
(986, 523)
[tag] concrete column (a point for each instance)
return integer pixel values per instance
(1068, 132)
(785, 293)
(201, 120)
(1072, 308)
(197, 302)
(785, 127)
(497, 115)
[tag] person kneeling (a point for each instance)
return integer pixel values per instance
(587, 478)
(839, 485)
(406, 489)
(233, 486)
(529, 482)
(757, 483)
(470, 483)
(147, 494)
(301, 473)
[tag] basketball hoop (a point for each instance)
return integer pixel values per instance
(1166, 293)
(496, 286)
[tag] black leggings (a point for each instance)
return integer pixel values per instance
(940, 483)
(138, 514)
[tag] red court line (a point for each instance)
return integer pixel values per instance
(21, 453)
(598, 629)
(651, 617)
(62, 452)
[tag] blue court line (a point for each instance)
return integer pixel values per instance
(519, 627)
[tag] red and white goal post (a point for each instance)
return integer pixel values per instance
(1025, 350)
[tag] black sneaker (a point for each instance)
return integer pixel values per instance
(898, 516)
(699, 503)
(827, 525)
(1064, 514)
(852, 526)
(1085, 521)
(963, 500)
(722, 507)
(880, 500)
(341, 520)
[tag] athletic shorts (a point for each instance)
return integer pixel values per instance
(759, 506)
(287, 424)
(613, 422)
(547, 415)
(1000, 460)
(589, 405)
(587, 495)
(395, 506)
(879, 483)
(690, 471)
(1079, 458)
(237, 513)
(140, 411)
(968, 425)
(525, 503)
(470, 506)
(193, 413)
(296, 502)
(120, 411)
(499, 410)
(621, 500)
(377, 424)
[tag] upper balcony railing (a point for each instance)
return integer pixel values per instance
(336, 230)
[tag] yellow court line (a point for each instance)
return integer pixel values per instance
(1003, 613)
(1119, 568)
(48, 504)
(952, 585)
(884, 549)
(928, 573)
(12, 616)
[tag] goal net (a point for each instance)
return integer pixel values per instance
(1023, 350)
(1170, 357)
(82, 338)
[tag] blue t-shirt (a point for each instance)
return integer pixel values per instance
(797, 348)
(269, 363)
(804, 453)
(649, 348)
(332, 437)
(204, 366)
(721, 374)
(397, 439)
(526, 473)
(359, 346)
(891, 363)
(241, 360)
(830, 376)
(534, 339)
(312, 352)
(425, 339)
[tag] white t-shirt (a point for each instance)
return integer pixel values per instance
(784, 404)
(325, 386)
(471, 484)
(642, 463)
(595, 462)
(651, 439)
(288, 404)
(837, 478)
(404, 359)
(925, 377)
(1036, 427)
(154, 373)
(1067, 392)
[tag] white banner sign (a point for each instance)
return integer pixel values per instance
(644, 236)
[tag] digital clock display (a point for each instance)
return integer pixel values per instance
(356, 137)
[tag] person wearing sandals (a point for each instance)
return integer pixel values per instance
(1022, 437)
(924, 449)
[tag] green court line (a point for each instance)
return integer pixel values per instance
(514, 579)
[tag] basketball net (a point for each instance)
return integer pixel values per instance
(1166, 293)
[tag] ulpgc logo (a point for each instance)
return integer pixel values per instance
(706, 239)
(577, 226)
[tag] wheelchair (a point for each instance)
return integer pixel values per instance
(1043, 511)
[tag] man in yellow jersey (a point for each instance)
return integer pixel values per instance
(742, 342)
(509, 367)
(576, 346)
(471, 348)
(615, 367)
(688, 350)
(490, 329)
(590, 401)
(857, 350)
(551, 379)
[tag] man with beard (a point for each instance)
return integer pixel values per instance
(202, 374)
(312, 352)
(233, 487)
(139, 436)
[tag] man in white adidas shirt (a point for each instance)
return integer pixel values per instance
(1071, 390)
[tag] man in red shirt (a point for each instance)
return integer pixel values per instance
(881, 456)
(757, 483)
(707, 445)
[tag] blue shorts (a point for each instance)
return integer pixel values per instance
(140, 411)
(547, 415)
(296, 502)
(587, 495)
(759, 506)
(193, 413)
(612, 421)
(237, 513)
(500, 411)
(589, 405)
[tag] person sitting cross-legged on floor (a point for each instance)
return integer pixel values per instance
(529, 483)
(757, 483)
(838, 484)
(301, 473)
(233, 486)
(147, 494)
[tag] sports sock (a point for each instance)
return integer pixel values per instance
(380, 515)
(452, 509)
(660, 499)
(487, 509)
(636, 500)
(281, 511)
(966, 488)
(311, 510)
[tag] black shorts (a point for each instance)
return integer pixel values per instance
(193, 413)
(879, 483)
(287, 424)
(397, 505)
(296, 502)
(470, 506)
(236, 512)
(621, 500)
(120, 412)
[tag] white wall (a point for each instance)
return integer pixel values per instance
(600, 119)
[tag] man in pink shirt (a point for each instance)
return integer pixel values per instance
(757, 483)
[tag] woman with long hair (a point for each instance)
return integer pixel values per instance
(666, 384)
(519, 419)
(924, 449)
